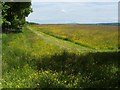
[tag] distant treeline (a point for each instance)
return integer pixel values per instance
(113, 24)
(32, 23)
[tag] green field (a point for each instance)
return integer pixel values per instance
(94, 36)
(61, 56)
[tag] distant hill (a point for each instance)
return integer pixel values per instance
(115, 24)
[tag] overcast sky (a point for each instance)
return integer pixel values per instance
(74, 12)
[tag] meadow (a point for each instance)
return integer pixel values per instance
(61, 56)
(92, 36)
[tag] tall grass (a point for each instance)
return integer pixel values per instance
(20, 51)
(30, 62)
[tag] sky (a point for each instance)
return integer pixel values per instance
(73, 12)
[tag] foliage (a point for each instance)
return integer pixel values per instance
(34, 62)
(14, 13)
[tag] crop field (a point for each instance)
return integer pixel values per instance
(61, 56)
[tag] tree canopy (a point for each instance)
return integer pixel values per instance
(14, 13)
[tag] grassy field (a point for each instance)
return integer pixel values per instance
(61, 56)
(94, 36)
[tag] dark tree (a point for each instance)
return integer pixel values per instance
(13, 15)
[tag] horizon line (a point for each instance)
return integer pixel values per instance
(76, 23)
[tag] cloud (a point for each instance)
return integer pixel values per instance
(75, 0)
(63, 10)
(83, 12)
